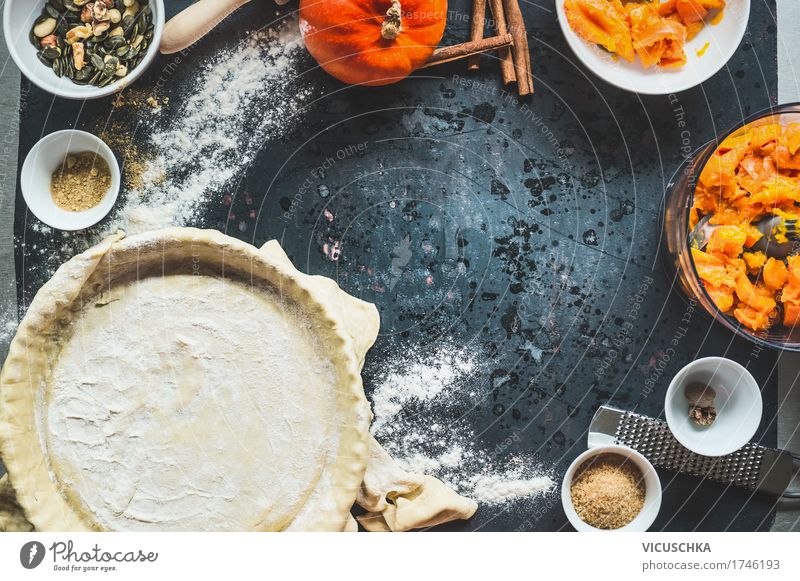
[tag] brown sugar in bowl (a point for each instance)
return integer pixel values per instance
(611, 488)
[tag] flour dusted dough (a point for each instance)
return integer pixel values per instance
(144, 392)
(64, 411)
(187, 400)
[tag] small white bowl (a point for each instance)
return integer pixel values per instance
(723, 39)
(738, 403)
(37, 171)
(652, 485)
(18, 19)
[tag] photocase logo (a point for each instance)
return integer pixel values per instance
(31, 554)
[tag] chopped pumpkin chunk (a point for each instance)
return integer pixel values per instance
(755, 261)
(690, 10)
(774, 274)
(727, 240)
(751, 175)
(602, 22)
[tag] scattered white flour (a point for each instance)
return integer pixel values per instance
(421, 408)
(196, 151)
(240, 98)
(420, 381)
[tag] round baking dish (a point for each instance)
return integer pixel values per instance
(675, 252)
(60, 436)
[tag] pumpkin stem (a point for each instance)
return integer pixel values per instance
(393, 23)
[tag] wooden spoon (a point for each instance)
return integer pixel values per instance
(189, 26)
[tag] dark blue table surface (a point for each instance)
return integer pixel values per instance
(542, 217)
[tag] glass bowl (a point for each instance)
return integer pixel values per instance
(675, 252)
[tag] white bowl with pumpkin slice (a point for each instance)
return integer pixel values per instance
(671, 45)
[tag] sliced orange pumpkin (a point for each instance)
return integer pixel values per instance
(774, 274)
(755, 261)
(727, 240)
(690, 10)
(722, 297)
(656, 40)
(602, 22)
(791, 315)
(791, 137)
(752, 319)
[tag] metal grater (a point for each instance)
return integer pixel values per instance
(752, 467)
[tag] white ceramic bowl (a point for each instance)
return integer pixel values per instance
(723, 39)
(652, 498)
(738, 403)
(18, 18)
(37, 170)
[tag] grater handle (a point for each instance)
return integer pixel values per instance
(793, 494)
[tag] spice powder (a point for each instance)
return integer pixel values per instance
(80, 182)
(608, 491)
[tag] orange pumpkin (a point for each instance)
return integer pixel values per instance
(372, 42)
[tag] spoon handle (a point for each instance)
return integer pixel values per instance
(192, 24)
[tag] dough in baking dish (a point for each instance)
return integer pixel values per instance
(182, 380)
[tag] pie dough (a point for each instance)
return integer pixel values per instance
(395, 500)
(144, 391)
(80, 410)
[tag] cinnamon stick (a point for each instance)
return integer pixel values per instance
(468, 49)
(506, 58)
(522, 55)
(476, 31)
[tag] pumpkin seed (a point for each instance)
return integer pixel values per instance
(114, 42)
(110, 65)
(44, 26)
(109, 53)
(51, 52)
(97, 61)
(83, 74)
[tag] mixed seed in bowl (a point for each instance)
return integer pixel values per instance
(93, 43)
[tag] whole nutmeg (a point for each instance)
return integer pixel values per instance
(700, 394)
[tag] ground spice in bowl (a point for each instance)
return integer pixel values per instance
(608, 491)
(81, 181)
